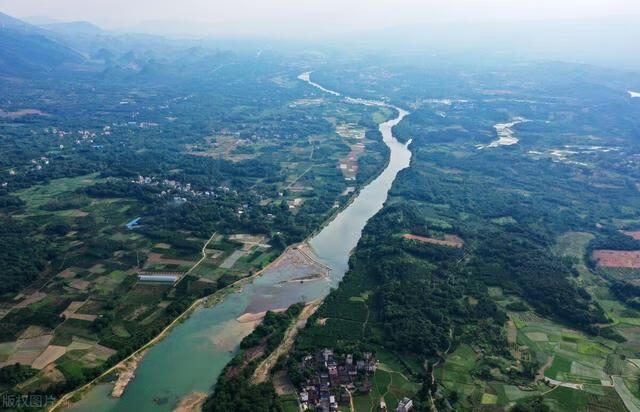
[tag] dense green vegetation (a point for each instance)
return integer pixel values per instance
(509, 204)
(23, 257)
(199, 144)
(13, 374)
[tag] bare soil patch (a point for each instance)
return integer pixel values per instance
(82, 316)
(50, 355)
(33, 298)
(349, 165)
(234, 332)
(262, 371)
(618, 258)
(37, 343)
(97, 268)
(254, 317)
(126, 374)
(246, 238)
(22, 357)
(309, 278)
(103, 352)
(32, 332)
(449, 240)
(156, 258)
(298, 260)
(67, 274)
(73, 307)
(51, 375)
(232, 259)
(80, 284)
(633, 234)
(191, 403)
(77, 213)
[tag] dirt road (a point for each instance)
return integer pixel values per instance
(262, 371)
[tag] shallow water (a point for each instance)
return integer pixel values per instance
(192, 356)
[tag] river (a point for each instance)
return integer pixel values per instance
(194, 353)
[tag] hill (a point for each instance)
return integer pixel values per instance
(27, 50)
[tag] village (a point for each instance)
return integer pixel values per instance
(335, 378)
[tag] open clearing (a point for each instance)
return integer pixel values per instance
(449, 240)
(157, 259)
(296, 262)
(232, 259)
(633, 234)
(349, 164)
(618, 258)
(33, 298)
(22, 112)
(51, 354)
(38, 195)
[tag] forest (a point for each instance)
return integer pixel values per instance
(509, 205)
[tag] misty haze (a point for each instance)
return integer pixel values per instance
(328, 206)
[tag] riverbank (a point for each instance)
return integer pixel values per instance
(357, 191)
(254, 317)
(131, 363)
(262, 371)
(208, 301)
(191, 403)
(198, 351)
(125, 374)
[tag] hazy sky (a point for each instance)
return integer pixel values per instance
(308, 17)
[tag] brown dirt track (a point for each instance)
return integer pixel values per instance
(633, 234)
(449, 240)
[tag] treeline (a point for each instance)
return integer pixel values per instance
(518, 261)
(626, 292)
(513, 215)
(421, 299)
(14, 374)
(271, 329)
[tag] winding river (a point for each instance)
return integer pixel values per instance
(194, 353)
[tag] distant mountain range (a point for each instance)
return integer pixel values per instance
(27, 50)
(65, 49)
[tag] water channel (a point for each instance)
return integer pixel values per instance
(194, 353)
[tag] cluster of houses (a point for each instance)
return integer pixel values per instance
(183, 191)
(84, 136)
(172, 186)
(39, 163)
(336, 378)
